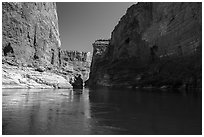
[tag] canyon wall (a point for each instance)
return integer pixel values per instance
(31, 53)
(99, 51)
(30, 34)
(154, 44)
(31, 46)
(76, 62)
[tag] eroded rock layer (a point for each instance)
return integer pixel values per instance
(154, 44)
(30, 33)
(32, 57)
(76, 62)
(98, 61)
(27, 77)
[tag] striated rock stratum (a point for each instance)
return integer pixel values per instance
(154, 44)
(31, 53)
(27, 77)
(99, 49)
(77, 62)
(30, 34)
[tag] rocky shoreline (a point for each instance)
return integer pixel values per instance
(26, 77)
(73, 75)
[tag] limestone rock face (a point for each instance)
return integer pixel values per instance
(31, 46)
(75, 56)
(76, 62)
(154, 44)
(98, 59)
(30, 33)
(26, 77)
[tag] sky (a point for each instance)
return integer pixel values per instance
(80, 24)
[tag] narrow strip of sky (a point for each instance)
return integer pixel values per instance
(81, 23)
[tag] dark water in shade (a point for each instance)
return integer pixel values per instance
(101, 111)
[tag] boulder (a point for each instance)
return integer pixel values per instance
(77, 83)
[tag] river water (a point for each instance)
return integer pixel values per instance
(100, 111)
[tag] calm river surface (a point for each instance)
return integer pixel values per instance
(101, 111)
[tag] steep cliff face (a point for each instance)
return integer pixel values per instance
(76, 62)
(75, 56)
(30, 33)
(99, 51)
(31, 46)
(154, 44)
(32, 57)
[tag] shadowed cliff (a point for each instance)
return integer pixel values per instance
(154, 44)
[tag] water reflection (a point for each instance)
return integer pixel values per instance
(45, 112)
(101, 111)
(147, 111)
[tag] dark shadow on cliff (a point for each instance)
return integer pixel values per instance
(77, 83)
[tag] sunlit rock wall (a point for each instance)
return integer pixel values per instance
(30, 34)
(76, 62)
